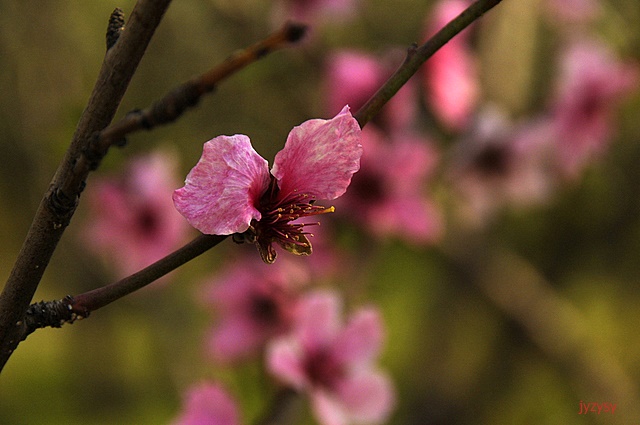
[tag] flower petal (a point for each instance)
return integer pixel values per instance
(208, 404)
(367, 396)
(360, 341)
(285, 360)
(327, 409)
(234, 339)
(320, 157)
(319, 320)
(221, 192)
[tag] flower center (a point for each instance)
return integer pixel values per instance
(147, 222)
(270, 306)
(367, 187)
(322, 369)
(493, 161)
(278, 213)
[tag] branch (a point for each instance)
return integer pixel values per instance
(71, 182)
(57, 207)
(175, 103)
(69, 309)
(417, 56)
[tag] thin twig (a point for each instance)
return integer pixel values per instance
(417, 56)
(91, 143)
(175, 103)
(84, 304)
(57, 207)
(72, 308)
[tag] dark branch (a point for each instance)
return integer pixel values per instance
(173, 105)
(417, 56)
(57, 207)
(164, 111)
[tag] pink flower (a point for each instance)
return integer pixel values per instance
(573, 10)
(314, 11)
(254, 302)
(592, 84)
(334, 363)
(451, 76)
(230, 190)
(388, 193)
(208, 404)
(500, 163)
(353, 77)
(132, 218)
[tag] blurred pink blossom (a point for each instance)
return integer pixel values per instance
(388, 196)
(132, 220)
(254, 302)
(230, 190)
(313, 12)
(451, 76)
(334, 363)
(576, 11)
(208, 404)
(500, 164)
(591, 85)
(352, 77)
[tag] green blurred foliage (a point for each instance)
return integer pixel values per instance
(455, 356)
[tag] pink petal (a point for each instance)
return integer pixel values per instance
(328, 410)
(368, 397)
(133, 220)
(222, 190)
(361, 339)
(417, 220)
(451, 76)
(352, 78)
(591, 85)
(235, 338)
(208, 404)
(319, 320)
(568, 11)
(285, 361)
(320, 157)
(231, 293)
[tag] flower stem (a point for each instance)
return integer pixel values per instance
(100, 297)
(417, 56)
(72, 308)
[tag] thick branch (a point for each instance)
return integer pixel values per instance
(57, 207)
(163, 111)
(92, 142)
(417, 56)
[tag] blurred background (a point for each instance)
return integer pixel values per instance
(513, 313)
